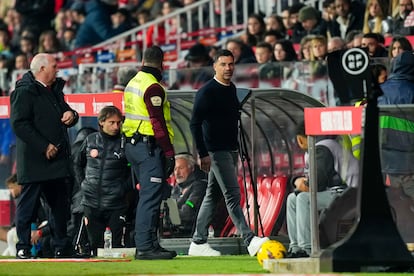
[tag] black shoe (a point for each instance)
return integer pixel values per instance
(172, 252)
(153, 255)
(24, 254)
(298, 254)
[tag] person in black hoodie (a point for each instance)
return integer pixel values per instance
(103, 168)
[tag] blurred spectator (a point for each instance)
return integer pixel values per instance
(263, 53)
(28, 47)
(36, 14)
(305, 48)
(379, 73)
(294, 13)
(287, 23)
(212, 50)
(349, 18)
(272, 36)
(190, 18)
(143, 16)
(199, 60)
(166, 31)
(404, 9)
(284, 51)
(123, 76)
(268, 70)
(7, 140)
(376, 19)
(78, 13)
(328, 10)
(5, 47)
(68, 39)
(373, 43)
(21, 62)
(310, 22)
(336, 43)
(398, 45)
(121, 17)
(49, 43)
(97, 26)
(60, 23)
(241, 52)
(399, 88)
(319, 48)
(274, 22)
(353, 39)
(254, 31)
(13, 20)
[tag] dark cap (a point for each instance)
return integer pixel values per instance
(307, 13)
(198, 52)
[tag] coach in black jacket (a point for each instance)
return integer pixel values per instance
(40, 118)
(102, 169)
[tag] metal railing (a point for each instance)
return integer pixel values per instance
(209, 25)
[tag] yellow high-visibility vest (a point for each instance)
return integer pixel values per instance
(136, 113)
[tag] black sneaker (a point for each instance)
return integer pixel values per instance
(172, 252)
(153, 255)
(24, 254)
(298, 254)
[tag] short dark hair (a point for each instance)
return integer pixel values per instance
(266, 45)
(108, 111)
(153, 55)
(223, 53)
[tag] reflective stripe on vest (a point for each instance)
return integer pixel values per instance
(136, 113)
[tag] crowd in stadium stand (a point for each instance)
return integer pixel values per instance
(299, 32)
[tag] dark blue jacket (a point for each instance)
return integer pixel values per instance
(397, 130)
(97, 26)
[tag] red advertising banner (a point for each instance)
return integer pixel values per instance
(84, 104)
(333, 120)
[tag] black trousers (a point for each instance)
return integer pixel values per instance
(96, 220)
(55, 192)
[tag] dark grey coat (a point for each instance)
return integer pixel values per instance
(35, 117)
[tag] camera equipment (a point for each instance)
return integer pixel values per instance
(243, 95)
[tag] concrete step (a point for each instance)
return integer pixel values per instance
(297, 265)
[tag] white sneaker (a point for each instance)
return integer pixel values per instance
(255, 245)
(203, 249)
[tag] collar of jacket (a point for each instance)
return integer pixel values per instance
(154, 71)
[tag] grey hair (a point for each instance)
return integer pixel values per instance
(188, 157)
(125, 74)
(38, 62)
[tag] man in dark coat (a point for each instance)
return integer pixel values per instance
(40, 118)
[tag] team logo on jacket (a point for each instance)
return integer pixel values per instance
(156, 101)
(94, 153)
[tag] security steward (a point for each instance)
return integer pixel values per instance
(149, 149)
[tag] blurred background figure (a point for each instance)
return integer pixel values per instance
(189, 191)
(123, 76)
